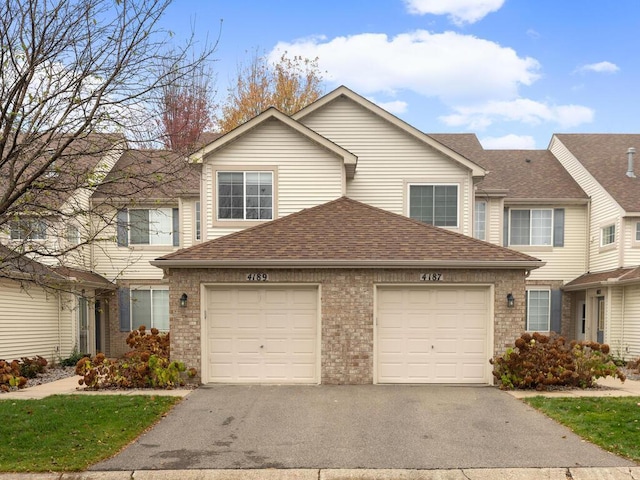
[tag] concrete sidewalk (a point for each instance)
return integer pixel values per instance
(614, 473)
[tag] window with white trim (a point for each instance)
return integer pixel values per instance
(480, 221)
(531, 227)
(72, 235)
(608, 235)
(538, 310)
(150, 307)
(198, 232)
(151, 226)
(245, 195)
(28, 229)
(434, 204)
(637, 231)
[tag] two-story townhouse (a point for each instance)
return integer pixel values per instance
(47, 288)
(607, 295)
(148, 206)
(337, 248)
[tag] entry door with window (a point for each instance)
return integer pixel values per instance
(83, 325)
(581, 320)
(600, 321)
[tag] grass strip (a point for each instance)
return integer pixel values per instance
(611, 423)
(72, 432)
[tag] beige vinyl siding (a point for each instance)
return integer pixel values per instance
(563, 263)
(305, 174)
(630, 323)
(604, 210)
(187, 222)
(495, 212)
(613, 330)
(121, 263)
(388, 159)
(34, 322)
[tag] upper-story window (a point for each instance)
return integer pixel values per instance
(148, 226)
(531, 227)
(637, 231)
(480, 221)
(434, 204)
(196, 214)
(28, 229)
(245, 195)
(72, 235)
(608, 235)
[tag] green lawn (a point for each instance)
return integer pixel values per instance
(611, 423)
(71, 432)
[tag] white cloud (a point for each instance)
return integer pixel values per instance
(450, 66)
(521, 110)
(395, 106)
(600, 67)
(509, 142)
(458, 11)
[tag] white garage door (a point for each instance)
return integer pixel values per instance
(261, 335)
(433, 334)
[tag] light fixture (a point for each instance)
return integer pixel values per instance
(511, 301)
(183, 300)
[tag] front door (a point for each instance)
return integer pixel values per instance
(83, 325)
(581, 320)
(600, 320)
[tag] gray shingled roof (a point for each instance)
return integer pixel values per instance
(346, 232)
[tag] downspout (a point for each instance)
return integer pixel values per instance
(621, 341)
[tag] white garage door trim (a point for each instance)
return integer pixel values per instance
(205, 330)
(379, 356)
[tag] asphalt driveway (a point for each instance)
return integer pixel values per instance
(371, 426)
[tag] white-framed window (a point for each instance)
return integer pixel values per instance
(245, 195)
(72, 235)
(538, 310)
(608, 236)
(531, 227)
(434, 204)
(480, 221)
(637, 231)
(28, 229)
(196, 221)
(150, 307)
(148, 226)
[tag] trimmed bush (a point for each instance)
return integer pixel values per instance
(541, 362)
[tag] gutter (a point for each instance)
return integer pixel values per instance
(448, 264)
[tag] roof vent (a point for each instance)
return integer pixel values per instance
(630, 152)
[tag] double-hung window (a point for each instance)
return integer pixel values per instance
(531, 227)
(434, 204)
(480, 221)
(150, 307)
(637, 231)
(608, 235)
(538, 310)
(245, 195)
(28, 229)
(148, 226)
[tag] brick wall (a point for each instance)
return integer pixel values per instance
(347, 311)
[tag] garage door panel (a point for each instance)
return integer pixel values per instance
(429, 334)
(262, 335)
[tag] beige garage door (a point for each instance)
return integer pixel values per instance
(261, 335)
(429, 334)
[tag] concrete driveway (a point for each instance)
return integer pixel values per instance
(371, 426)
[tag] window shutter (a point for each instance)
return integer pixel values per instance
(124, 304)
(505, 228)
(558, 227)
(123, 231)
(176, 228)
(555, 322)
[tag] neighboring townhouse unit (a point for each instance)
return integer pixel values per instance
(606, 299)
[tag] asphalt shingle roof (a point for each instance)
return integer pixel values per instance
(346, 231)
(604, 155)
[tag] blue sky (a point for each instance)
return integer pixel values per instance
(511, 71)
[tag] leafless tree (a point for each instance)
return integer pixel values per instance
(77, 78)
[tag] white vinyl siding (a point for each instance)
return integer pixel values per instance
(629, 327)
(35, 322)
(305, 174)
(389, 159)
(603, 209)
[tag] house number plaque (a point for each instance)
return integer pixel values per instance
(257, 277)
(431, 277)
